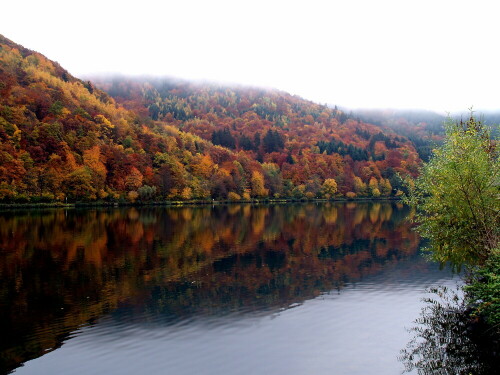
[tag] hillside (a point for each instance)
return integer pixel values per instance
(308, 142)
(64, 139)
(425, 129)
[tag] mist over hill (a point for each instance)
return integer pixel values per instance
(130, 139)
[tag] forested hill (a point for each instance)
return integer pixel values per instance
(425, 129)
(308, 142)
(62, 138)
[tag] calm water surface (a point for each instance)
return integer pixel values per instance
(293, 289)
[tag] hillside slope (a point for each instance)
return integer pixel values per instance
(63, 139)
(425, 129)
(307, 142)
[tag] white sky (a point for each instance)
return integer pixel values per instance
(439, 54)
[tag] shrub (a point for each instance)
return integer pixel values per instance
(232, 196)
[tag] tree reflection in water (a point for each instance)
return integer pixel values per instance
(446, 342)
(65, 269)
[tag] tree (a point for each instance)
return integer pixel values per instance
(329, 188)
(202, 165)
(258, 189)
(457, 195)
(223, 138)
(373, 186)
(246, 143)
(133, 181)
(92, 160)
(359, 186)
(385, 186)
(146, 192)
(273, 179)
(78, 185)
(273, 141)
(256, 140)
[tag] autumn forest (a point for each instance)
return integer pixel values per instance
(121, 139)
(152, 223)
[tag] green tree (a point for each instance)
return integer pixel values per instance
(457, 195)
(273, 180)
(146, 192)
(78, 185)
(483, 290)
(273, 141)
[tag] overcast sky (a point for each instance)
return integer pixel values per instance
(437, 54)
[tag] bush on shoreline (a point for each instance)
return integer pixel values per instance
(458, 209)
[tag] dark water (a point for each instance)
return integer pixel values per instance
(294, 289)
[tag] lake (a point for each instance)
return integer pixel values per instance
(312, 288)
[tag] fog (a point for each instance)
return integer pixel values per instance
(427, 54)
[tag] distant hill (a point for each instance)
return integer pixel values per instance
(62, 138)
(425, 129)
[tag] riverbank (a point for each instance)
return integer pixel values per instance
(188, 202)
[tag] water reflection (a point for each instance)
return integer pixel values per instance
(445, 342)
(61, 269)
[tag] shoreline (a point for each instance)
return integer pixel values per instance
(190, 203)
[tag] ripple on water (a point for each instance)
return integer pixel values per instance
(355, 331)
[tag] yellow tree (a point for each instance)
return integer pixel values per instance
(258, 189)
(359, 186)
(385, 186)
(92, 160)
(186, 193)
(374, 188)
(202, 166)
(329, 188)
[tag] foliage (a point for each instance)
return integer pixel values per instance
(232, 196)
(339, 147)
(424, 128)
(273, 141)
(457, 195)
(483, 291)
(67, 139)
(258, 189)
(329, 188)
(307, 141)
(146, 192)
(223, 138)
